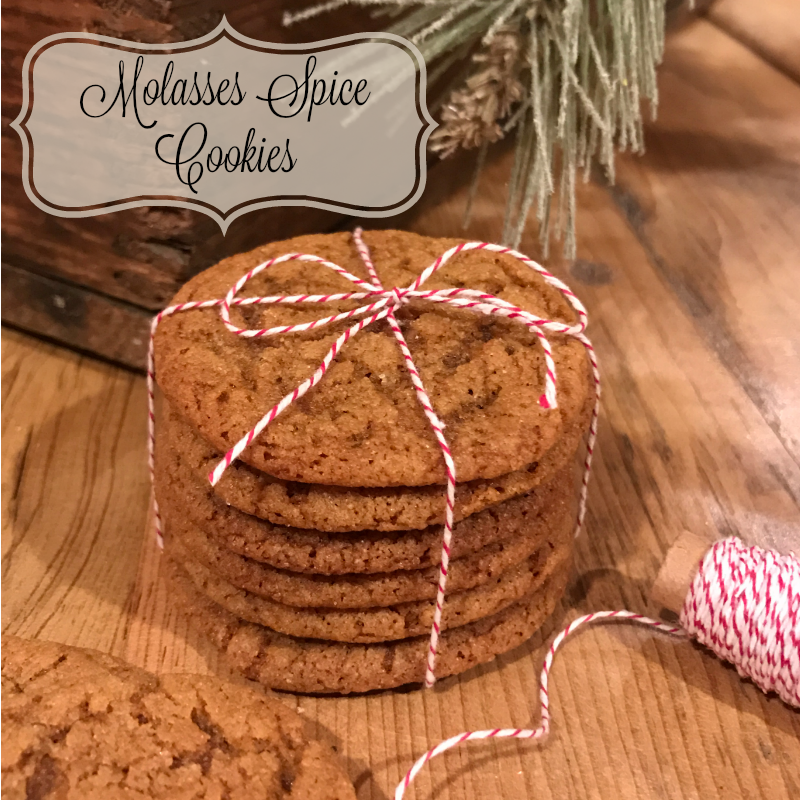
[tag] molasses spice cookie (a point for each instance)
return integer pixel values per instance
(79, 725)
(362, 425)
(310, 665)
(187, 504)
(340, 508)
(360, 590)
(401, 621)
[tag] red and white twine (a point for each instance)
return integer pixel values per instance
(382, 304)
(744, 603)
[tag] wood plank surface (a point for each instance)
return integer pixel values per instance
(769, 29)
(688, 269)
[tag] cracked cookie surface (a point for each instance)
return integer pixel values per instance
(362, 426)
(340, 509)
(80, 724)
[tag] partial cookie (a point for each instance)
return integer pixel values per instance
(365, 625)
(307, 665)
(333, 554)
(340, 509)
(550, 529)
(80, 725)
(362, 425)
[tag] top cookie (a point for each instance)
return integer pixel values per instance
(80, 724)
(362, 425)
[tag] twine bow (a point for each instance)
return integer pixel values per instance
(381, 304)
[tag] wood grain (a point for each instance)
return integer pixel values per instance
(74, 316)
(687, 271)
(769, 29)
(74, 492)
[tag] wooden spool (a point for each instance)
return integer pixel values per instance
(678, 570)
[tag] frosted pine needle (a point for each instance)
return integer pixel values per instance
(567, 77)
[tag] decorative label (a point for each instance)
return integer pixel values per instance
(224, 124)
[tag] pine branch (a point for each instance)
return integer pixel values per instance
(568, 76)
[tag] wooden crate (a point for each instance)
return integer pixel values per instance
(93, 283)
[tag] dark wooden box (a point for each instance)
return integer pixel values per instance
(94, 283)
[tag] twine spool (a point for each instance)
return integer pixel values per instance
(741, 602)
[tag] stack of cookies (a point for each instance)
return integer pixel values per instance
(313, 563)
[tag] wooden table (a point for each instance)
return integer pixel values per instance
(689, 268)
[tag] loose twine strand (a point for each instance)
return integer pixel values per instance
(382, 304)
(744, 605)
